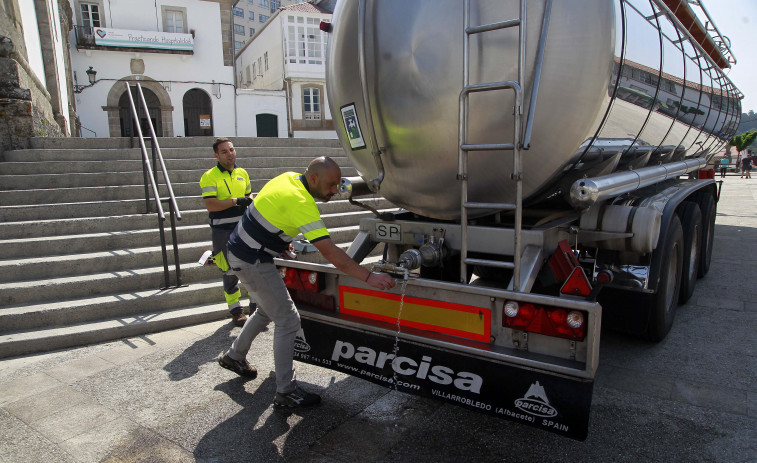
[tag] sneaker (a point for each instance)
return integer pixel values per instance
(297, 398)
(240, 368)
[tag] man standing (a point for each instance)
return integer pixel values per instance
(723, 166)
(226, 191)
(284, 208)
(746, 165)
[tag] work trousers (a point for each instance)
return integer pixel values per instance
(230, 281)
(267, 288)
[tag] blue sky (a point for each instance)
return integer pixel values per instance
(737, 20)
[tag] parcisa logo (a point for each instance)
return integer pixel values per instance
(535, 402)
(300, 344)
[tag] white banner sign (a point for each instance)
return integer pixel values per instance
(143, 39)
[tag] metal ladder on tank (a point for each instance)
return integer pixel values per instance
(516, 146)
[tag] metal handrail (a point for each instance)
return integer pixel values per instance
(88, 130)
(149, 174)
(672, 16)
(156, 146)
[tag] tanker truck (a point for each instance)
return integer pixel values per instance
(548, 161)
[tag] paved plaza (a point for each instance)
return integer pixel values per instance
(163, 398)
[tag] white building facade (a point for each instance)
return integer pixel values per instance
(180, 51)
(250, 15)
(286, 60)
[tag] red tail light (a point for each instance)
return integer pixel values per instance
(549, 321)
(301, 279)
(305, 286)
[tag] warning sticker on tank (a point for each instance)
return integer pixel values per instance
(352, 126)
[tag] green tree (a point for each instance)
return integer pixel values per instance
(743, 140)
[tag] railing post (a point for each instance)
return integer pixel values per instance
(163, 251)
(175, 241)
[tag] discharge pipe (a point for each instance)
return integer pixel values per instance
(588, 191)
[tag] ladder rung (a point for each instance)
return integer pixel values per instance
(488, 147)
(485, 87)
(490, 263)
(506, 206)
(493, 26)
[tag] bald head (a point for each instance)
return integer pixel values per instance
(322, 165)
(323, 175)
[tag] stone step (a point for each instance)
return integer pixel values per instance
(91, 179)
(39, 212)
(72, 287)
(28, 253)
(70, 264)
(126, 191)
(89, 155)
(81, 263)
(82, 282)
(107, 329)
(46, 326)
(74, 311)
(177, 142)
(114, 224)
(135, 165)
(337, 215)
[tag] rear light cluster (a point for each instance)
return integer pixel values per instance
(549, 321)
(300, 279)
(304, 286)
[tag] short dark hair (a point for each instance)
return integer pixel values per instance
(218, 141)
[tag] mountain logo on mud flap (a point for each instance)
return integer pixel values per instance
(300, 344)
(535, 402)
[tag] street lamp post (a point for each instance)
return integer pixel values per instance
(91, 75)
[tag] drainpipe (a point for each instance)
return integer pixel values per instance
(288, 89)
(234, 66)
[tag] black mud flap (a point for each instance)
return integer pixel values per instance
(549, 402)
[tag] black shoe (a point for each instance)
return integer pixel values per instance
(297, 398)
(238, 319)
(240, 368)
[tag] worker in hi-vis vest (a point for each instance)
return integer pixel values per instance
(226, 191)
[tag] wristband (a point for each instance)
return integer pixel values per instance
(369, 275)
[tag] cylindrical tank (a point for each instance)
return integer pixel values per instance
(621, 87)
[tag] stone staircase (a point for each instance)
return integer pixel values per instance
(81, 260)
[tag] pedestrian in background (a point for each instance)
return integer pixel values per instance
(723, 166)
(226, 191)
(746, 166)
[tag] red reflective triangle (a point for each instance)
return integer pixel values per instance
(577, 283)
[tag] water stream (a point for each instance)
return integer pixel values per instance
(396, 349)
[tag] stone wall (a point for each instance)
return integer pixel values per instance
(26, 107)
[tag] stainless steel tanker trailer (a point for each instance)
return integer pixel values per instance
(549, 163)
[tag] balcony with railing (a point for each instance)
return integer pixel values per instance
(106, 38)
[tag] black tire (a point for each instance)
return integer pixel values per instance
(663, 303)
(691, 222)
(709, 211)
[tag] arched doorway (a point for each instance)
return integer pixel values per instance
(161, 111)
(198, 114)
(125, 114)
(267, 125)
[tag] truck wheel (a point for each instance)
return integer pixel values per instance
(663, 303)
(691, 221)
(709, 211)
